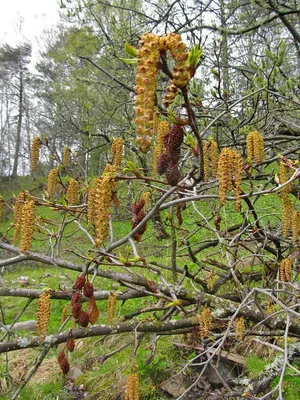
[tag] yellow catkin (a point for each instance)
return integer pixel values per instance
(132, 387)
(284, 175)
(35, 153)
(162, 130)
(104, 187)
(72, 194)
(116, 151)
(111, 307)
(295, 226)
(146, 80)
(28, 221)
(64, 314)
(230, 173)
(205, 322)
(43, 314)
(239, 328)
(211, 156)
(287, 208)
(146, 197)
(181, 74)
(255, 147)
(52, 182)
(66, 156)
(285, 270)
(270, 307)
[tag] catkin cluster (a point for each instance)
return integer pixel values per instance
(72, 194)
(239, 328)
(285, 270)
(287, 211)
(18, 216)
(146, 79)
(28, 221)
(138, 214)
(66, 156)
(116, 151)
(295, 226)
(63, 362)
(35, 153)
(163, 129)
(132, 387)
(230, 172)
(111, 307)
(205, 322)
(211, 155)
(100, 199)
(43, 314)
(52, 182)
(255, 147)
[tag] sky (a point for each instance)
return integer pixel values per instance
(25, 20)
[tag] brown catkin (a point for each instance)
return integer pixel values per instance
(66, 156)
(111, 307)
(287, 208)
(28, 221)
(295, 226)
(116, 151)
(43, 314)
(255, 147)
(205, 322)
(18, 216)
(72, 194)
(239, 328)
(285, 270)
(35, 153)
(52, 182)
(132, 391)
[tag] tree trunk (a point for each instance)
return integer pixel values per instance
(19, 127)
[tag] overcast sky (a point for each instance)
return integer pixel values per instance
(22, 20)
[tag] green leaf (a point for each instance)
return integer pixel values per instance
(194, 55)
(130, 50)
(131, 165)
(128, 60)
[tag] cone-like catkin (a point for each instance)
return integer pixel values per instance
(43, 314)
(18, 216)
(287, 209)
(163, 129)
(116, 150)
(230, 172)
(28, 221)
(66, 156)
(255, 147)
(132, 387)
(146, 79)
(205, 322)
(35, 153)
(52, 182)
(72, 194)
(111, 307)
(285, 270)
(295, 226)
(239, 328)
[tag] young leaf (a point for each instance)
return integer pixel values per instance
(130, 50)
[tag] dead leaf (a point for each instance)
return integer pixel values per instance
(92, 310)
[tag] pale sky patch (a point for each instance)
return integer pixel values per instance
(26, 20)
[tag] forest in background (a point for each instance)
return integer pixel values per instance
(173, 186)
